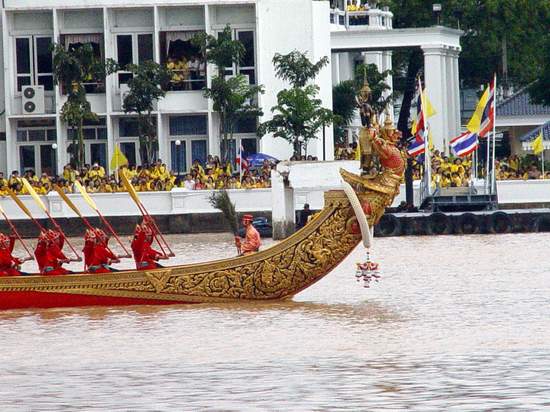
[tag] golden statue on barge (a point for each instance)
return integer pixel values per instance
(276, 273)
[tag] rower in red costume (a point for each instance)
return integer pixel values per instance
(9, 265)
(49, 254)
(88, 249)
(251, 242)
(99, 256)
(145, 256)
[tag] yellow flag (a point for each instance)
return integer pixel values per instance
(430, 140)
(118, 159)
(85, 195)
(475, 122)
(413, 127)
(33, 193)
(538, 145)
(429, 109)
(358, 150)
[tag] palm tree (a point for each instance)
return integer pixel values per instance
(147, 85)
(344, 106)
(232, 96)
(72, 68)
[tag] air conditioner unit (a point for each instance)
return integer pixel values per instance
(124, 90)
(33, 99)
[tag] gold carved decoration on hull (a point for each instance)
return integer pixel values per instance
(275, 273)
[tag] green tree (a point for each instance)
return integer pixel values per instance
(380, 90)
(71, 69)
(540, 89)
(146, 87)
(298, 114)
(344, 96)
(233, 98)
(503, 36)
(344, 107)
(296, 68)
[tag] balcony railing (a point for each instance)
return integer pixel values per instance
(372, 18)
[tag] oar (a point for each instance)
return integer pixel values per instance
(93, 205)
(25, 209)
(133, 194)
(41, 204)
(16, 233)
(72, 206)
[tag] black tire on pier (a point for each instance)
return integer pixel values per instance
(439, 224)
(500, 222)
(541, 224)
(467, 224)
(389, 225)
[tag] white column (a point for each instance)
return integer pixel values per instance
(335, 62)
(283, 214)
(450, 98)
(456, 87)
(161, 137)
(9, 87)
(345, 70)
(387, 65)
(374, 57)
(435, 83)
(213, 138)
(61, 152)
(110, 84)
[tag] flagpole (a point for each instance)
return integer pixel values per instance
(542, 159)
(494, 178)
(488, 141)
(427, 162)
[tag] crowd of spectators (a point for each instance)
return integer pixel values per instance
(156, 177)
(449, 171)
(357, 5)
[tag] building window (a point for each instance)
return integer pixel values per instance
(246, 125)
(248, 63)
(188, 125)
(34, 141)
(75, 41)
(33, 61)
(128, 127)
(91, 130)
(184, 59)
(192, 133)
(247, 67)
(36, 131)
(133, 48)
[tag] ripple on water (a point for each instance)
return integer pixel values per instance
(436, 333)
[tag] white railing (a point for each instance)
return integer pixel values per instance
(372, 18)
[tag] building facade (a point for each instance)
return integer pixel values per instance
(159, 30)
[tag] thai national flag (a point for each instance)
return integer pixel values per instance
(419, 129)
(488, 115)
(416, 148)
(464, 144)
(241, 159)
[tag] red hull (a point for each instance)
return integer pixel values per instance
(45, 300)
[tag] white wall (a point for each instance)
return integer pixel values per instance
(284, 26)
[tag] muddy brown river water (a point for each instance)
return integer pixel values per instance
(456, 323)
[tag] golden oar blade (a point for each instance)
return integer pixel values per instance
(34, 195)
(131, 190)
(68, 201)
(85, 195)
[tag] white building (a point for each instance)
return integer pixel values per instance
(131, 32)
(135, 31)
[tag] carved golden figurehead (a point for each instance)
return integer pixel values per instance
(388, 131)
(365, 92)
